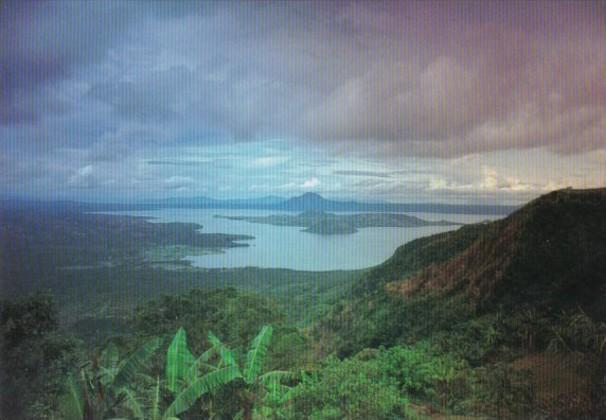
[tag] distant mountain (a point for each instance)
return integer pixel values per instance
(313, 201)
(183, 201)
(207, 202)
(269, 200)
(307, 201)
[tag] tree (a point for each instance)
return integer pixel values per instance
(257, 385)
(34, 356)
(350, 389)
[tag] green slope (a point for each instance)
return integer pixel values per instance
(526, 292)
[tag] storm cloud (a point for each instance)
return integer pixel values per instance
(124, 82)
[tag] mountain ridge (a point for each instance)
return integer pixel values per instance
(307, 201)
(525, 294)
(548, 257)
(554, 234)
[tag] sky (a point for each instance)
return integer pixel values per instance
(479, 102)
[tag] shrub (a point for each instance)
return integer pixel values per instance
(349, 389)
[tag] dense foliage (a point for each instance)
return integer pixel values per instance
(35, 357)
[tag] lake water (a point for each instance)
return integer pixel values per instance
(288, 247)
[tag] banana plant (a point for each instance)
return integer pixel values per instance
(256, 387)
(186, 380)
(276, 398)
(99, 395)
(184, 373)
(102, 386)
(147, 408)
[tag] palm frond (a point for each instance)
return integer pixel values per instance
(133, 405)
(135, 362)
(178, 360)
(155, 405)
(201, 362)
(71, 404)
(202, 385)
(277, 393)
(288, 394)
(276, 376)
(109, 360)
(257, 353)
(227, 356)
(110, 356)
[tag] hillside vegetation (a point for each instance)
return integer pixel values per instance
(526, 293)
(505, 319)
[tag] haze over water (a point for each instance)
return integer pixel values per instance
(289, 247)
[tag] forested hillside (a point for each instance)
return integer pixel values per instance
(526, 293)
(494, 320)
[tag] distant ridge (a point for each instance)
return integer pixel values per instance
(314, 201)
(308, 201)
(304, 202)
(216, 203)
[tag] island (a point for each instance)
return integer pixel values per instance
(323, 223)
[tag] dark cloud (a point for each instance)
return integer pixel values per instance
(45, 42)
(479, 84)
(381, 80)
(440, 79)
(153, 98)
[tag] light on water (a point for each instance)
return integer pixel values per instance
(288, 247)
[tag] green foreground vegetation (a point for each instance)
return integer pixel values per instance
(496, 320)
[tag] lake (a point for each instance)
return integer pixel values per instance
(288, 247)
